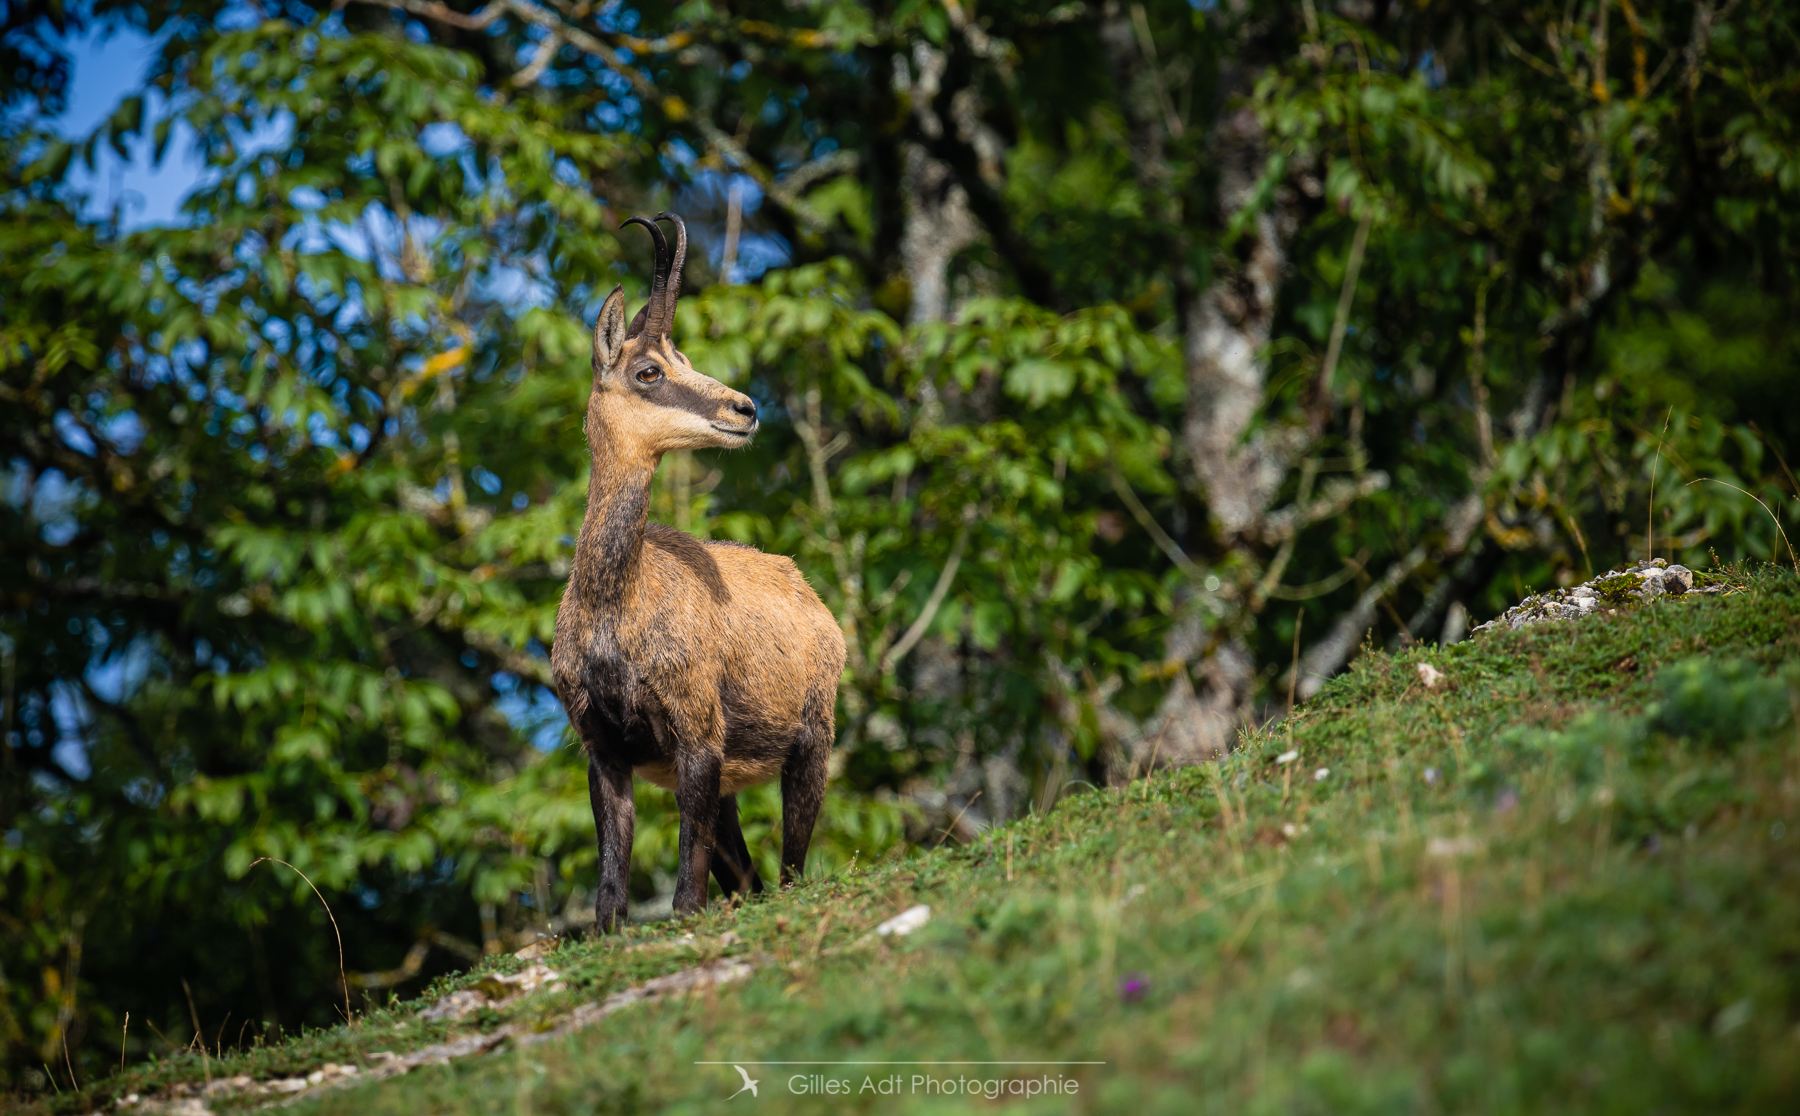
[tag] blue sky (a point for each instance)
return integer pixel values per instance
(107, 67)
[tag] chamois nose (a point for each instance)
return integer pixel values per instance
(745, 406)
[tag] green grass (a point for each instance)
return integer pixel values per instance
(1566, 880)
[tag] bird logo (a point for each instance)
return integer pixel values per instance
(749, 1083)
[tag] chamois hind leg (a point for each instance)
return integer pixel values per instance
(697, 772)
(731, 864)
(803, 784)
(609, 792)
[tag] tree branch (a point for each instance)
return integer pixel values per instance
(1148, 523)
(1339, 324)
(938, 592)
(818, 456)
(1326, 657)
(1332, 584)
(1286, 522)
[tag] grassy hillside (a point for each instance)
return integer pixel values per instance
(1565, 878)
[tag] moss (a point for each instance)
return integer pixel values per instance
(1619, 590)
(1707, 579)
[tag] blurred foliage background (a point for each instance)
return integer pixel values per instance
(1126, 367)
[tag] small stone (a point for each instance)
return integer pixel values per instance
(536, 949)
(1431, 676)
(220, 1085)
(457, 1005)
(1321, 774)
(1678, 579)
(501, 987)
(905, 922)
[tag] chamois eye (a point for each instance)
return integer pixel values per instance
(649, 375)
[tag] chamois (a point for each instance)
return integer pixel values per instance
(705, 667)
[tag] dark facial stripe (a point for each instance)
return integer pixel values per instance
(680, 386)
(672, 392)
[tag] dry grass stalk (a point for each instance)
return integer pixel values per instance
(1764, 507)
(1782, 461)
(951, 828)
(199, 1036)
(1650, 517)
(69, 1062)
(1294, 670)
(343, 978)
(165, 1038)
(1150, 771)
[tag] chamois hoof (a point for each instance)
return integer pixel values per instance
(609, 921)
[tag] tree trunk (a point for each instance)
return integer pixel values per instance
(938, 223)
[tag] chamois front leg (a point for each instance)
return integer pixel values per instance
(697, 770)
(609, 792)
(732, 865)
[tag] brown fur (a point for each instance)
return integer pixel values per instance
(704, 667)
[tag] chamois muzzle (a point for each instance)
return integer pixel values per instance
(744, 408)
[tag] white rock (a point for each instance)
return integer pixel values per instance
(1431, 676)
(460, 1004)
(228, 1085)
(500, 986)
(905, 922)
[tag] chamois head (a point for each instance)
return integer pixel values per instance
(647, 397)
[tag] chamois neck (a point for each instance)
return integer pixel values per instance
(612, 531)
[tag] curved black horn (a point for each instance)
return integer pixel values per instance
(662, 313)
(659, 280)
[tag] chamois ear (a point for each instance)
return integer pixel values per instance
(609, 331)
(637, 323)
